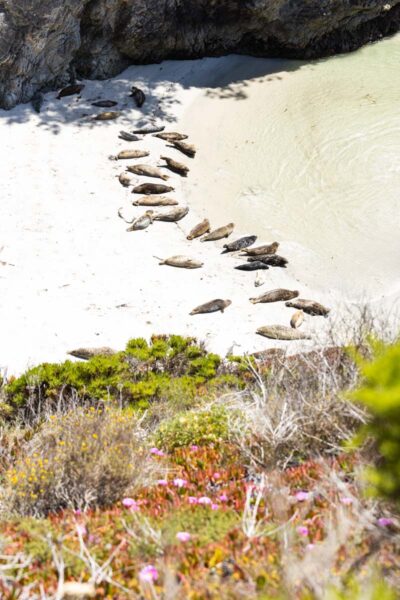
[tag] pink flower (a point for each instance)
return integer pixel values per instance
(310, 546)
(214, 506)
(192, 500)
(148, 574)
(77, 511)
(223, 498)
(346, 500)
(180, 483)
(194, 448)
(183, 536)
(205, 500)
(131, 504)
(156, 452)
(302, 496)
(217, 476)
(162, 482)
(385, 522)
(302, 530)
(81, 529)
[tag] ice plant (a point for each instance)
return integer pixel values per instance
(130, 503)
(183, 536)
(346, 500)
(302, 496)
(385, 522)
(217, 476)
(302, 530)
(81, 529)
(194, 448)
(180, 483)
(192, 500)
(162, 482)
(223, 498)
(148, 574)
(205, 500)
(156, 452)
(214, 506)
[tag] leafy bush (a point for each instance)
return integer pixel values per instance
(380, 393)
(79, 460)
(195, 427)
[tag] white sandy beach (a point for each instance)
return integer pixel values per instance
(72, 276)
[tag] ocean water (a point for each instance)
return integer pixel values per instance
(307, 154)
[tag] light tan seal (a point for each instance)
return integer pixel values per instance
(199, 229)
(210, 307)
(147, 171)
(142, 222)
(266, 249)
(279, 295)
(281, 332)
(172, 136)
(172, 216)
(128, 154)
(315, 309)
(155, 201)
(219, 234)
(183, 262)
(125, 179)
(88, 353)
(297, 319)
(107, 116)
(175, 166)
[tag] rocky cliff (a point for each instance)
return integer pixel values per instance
(43, 41)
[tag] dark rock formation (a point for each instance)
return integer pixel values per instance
(43, 41)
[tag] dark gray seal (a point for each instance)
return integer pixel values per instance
(239, 244)
(152, 188)
(315, 309)
(138, 95)
(253, 266)
(273, 260)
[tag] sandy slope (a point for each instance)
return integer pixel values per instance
(73, 276)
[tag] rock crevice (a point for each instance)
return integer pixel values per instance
(40, 40)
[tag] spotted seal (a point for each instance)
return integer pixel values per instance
(142, 222)
(185, 148)
(70, 90)
(315, 309)
(219, 234)
(129, 137)
(138, 95)
(149, 129)
(171, 136)
(107, 116)
(297, 319)
(129, 154)
(278, 295)
(253, 266)
(210, 307)
(152, 188)
(175, 166)
(281, 332)
(125, 179)
(273, 260)
(155, 201)
(105, 103)
(183, 262)
(266, 249)
(239, 244)
(147, 171)
(174, 215)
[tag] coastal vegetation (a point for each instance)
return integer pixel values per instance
(164, 471)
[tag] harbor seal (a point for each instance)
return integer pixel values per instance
(152, 188)
(210, 307)
(254, 266)
(219, 234)
(315, 309)
(88, 353)
(125, 179)
(185, 148)
(279, 295)
(199, 229)
(37, 102)
(155, 201)
(107, 116)
(70, 90)
(147, 171)
(266, 249)
(281, 332)
(183, 262)
(149, 129)
(128, 154)
(176, 166)
(138, 95)
(273, 260)
(142, 222)
(297, 319)
(171, 136)
(239, 244)
(129, 137)
(174, 215)
(105, 103)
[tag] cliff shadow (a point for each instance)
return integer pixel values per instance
(220, 78)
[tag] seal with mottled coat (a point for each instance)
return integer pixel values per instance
(125, 179)
(253, 266)
(273, 260)
(184, 147)
(138, 95)
(265, 249)
(174, 215)
(183, 262)
(105, 103)
(281, 332)
(128, 154)
(107, 116)
(147, 171)
(219, 234)
(278, 295)
(176, 166)
(152, 188)
(210, 307)
(70, 90)
(239, 244)
(172, 136)
(142, 222)
(199, 229)
(315, 309)
(155, 201)
(297, 319)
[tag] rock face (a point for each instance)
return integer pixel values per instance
(42, 42)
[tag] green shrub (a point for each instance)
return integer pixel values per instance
(79, 460)
(200, 427)
(380, 393)
(204, 524)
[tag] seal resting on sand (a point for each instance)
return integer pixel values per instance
(107, 116)
(183, 262)
(125, 179)
(176, 166)
(172, 136)
(281, 332)
(239, 244)
(142, 222)
(273, 260)
(152, 188)
(155, 201)
(315, 309)
(277, 295)
(210, 307)
(253, 266)
(105, 103)
(138, 95)
(128, 154)
(199, 229)
(70, 90)
(219, 234)
(174, 215)
(266, 249)
(297, 319)
(147, 171)
(184, 147)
